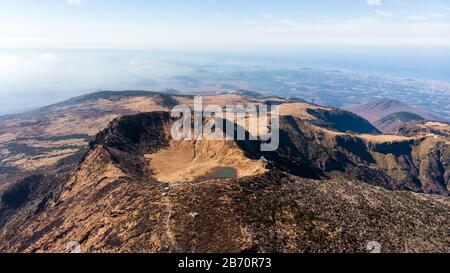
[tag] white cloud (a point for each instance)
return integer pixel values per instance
(383, 13)
(417, 18)
(46, 56)
(374, 2)
(291, 23)
(437, 15)
(251, 22)
(250, 34)
(7, 60)
(441, 7)
(427, 17)
(246, 32)
(268, 16)
(358, 31)
(73, 2)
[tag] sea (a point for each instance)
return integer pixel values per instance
(31, 78)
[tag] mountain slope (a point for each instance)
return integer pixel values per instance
(112, 202)
(103, 170)
(381, 108)
(330, 118)
(394, 162)
(391, 123)
(40, 138)
(425, 128)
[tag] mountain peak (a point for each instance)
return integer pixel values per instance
(378, 109)
(384, 104)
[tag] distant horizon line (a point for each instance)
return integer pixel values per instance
(239, 49)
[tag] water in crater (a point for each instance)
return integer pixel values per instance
(224, 173)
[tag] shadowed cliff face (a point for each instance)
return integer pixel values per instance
(305, 202)
(418, 164)
(342, 121)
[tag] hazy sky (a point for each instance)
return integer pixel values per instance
(43, 57)
(221, 24)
